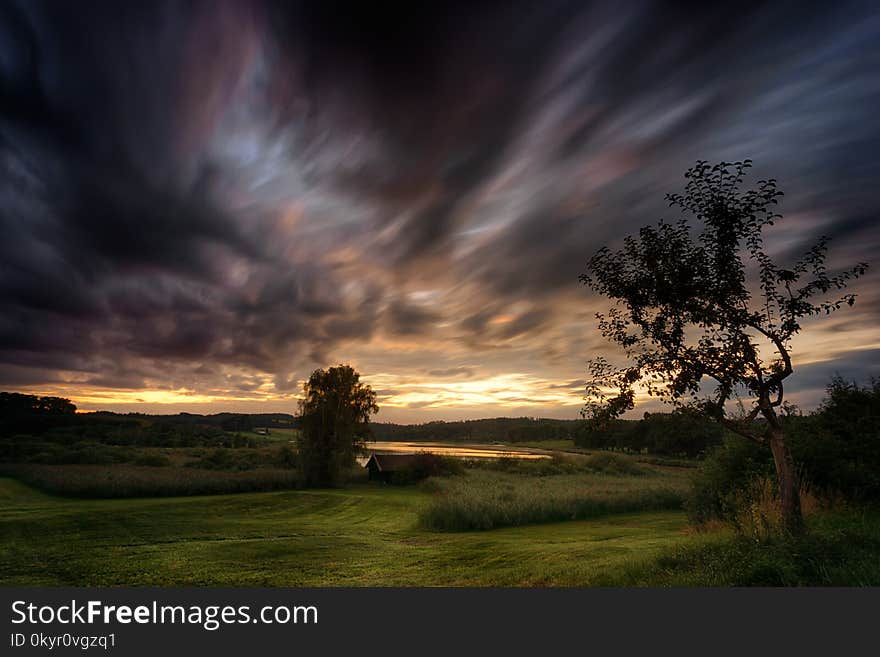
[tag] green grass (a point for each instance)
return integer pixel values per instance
(487, 500)
(840, 549)
(369, 535)
(359, 536)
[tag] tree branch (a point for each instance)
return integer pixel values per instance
(783, 352)
(738, 428)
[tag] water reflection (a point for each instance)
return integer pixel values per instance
(445, 449)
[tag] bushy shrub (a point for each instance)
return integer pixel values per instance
(225, 458)
(838, 447)
(613, 464)
(723, 479)
(424, 465)
(286, 457)
(836, 451)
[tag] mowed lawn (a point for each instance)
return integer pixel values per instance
(359, 536)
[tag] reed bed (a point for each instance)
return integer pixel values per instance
(107, 481)
(483, 500)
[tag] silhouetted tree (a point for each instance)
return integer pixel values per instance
(711, 308)
(20, 413)
(335, 412)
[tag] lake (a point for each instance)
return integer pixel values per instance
(465, 451)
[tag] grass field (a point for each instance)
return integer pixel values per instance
(369, 535)
(358, 536)
(276, 435)
(586, 519)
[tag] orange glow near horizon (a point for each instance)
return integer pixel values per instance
(415, 398)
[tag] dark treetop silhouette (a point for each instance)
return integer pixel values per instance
(335, 412)
(713, 309)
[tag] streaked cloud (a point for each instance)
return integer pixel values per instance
(202, 202)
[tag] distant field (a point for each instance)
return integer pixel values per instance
(123, 480)
(560, 444)
(275, 434)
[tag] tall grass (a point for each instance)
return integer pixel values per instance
(755, 511)
(840, 549)
(143, 481)
(604, 463)
(486, 500)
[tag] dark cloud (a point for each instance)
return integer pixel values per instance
(856, 366)
(408, 319)
(445, 85)
(476, 323)
(225, 195)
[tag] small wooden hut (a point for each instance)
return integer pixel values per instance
(383, 466)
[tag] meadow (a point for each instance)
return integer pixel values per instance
(363, 535)
(133, 501)
(377, 535)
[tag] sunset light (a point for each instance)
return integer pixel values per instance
(236, 239)
(307, 302)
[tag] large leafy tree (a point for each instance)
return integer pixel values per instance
(335, 412)
(705, 316)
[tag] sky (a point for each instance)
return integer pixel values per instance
(203, 202)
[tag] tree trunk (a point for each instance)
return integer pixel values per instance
(789, 493)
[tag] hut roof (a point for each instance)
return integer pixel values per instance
(392, 462)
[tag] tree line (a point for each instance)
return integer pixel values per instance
(499, 429)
